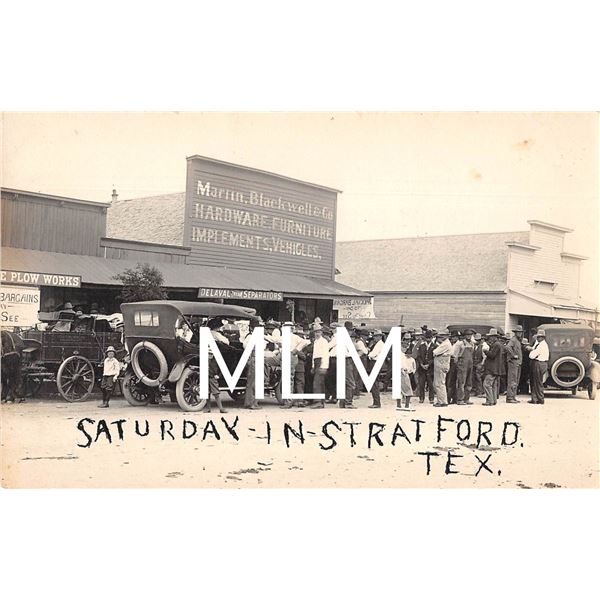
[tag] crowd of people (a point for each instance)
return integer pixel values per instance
(447, 367)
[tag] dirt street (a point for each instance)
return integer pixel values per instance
(50, 443)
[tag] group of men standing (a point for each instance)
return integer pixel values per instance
(452, 365)
(449, 366)
(314, 355)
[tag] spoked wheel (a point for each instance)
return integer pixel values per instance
(188, 391)
(75, 379)
(135, 392)
(237, 395)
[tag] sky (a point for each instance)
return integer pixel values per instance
(401, 174)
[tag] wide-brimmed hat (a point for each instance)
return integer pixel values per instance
(288, 324)
(110, 349)
(348, 325)
(317, 327)
(443, 333)
(215, 322)
(518, 328)
(377, 332)
(541, 332)
(407, 336)
(493, 331)
(477, 336)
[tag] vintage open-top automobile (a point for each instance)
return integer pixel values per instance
(163, 361)
(570, 347)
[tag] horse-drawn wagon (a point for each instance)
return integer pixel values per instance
(70, 353)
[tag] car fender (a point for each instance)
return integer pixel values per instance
(179, 366)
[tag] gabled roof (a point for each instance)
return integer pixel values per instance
(156, 219)
(453, 263)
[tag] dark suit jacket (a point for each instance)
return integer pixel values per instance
(425, 356)
(494, 358)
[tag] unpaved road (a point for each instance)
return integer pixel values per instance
(557, 446)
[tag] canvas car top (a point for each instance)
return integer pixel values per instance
(204, 309)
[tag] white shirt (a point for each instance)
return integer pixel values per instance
(361, 348)
(407, 363)
(112, 367)
(321, 350)
(540, 351)
(376, 350)
(444, 349)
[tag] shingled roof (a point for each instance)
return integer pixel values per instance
(453, 263)
(157, 219)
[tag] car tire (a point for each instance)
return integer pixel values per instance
(188, 391)
(134, 391)
(160, 357)
(565, 360)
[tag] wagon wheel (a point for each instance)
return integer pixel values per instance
(75, 379)
(188, 391)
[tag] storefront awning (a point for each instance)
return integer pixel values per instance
(546, 305)
(95, 270)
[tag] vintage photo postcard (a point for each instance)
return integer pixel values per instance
(300, 300)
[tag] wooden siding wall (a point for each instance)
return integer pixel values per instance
(545, 264)
(52, 226)
(144, 255)
(441, 309)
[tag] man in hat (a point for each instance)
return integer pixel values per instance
(441, 364)
(408, 347)
(539, 355)
(493, 369)
(514, 360)
(363, 352)
(503, 339)
(296, 343)
(478, 368)
(215, 325)
(320, 363)
(376, 350)
(300, 372)
(331, 377)
(425, 367)
(451, 390)
(464, 368)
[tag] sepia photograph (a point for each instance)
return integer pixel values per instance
(300, 300)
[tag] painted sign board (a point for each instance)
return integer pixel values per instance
(229, 294)
(238, 217)
(354, 308)
(19, 306)
(38, 279)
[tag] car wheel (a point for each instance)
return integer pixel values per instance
(188, 391)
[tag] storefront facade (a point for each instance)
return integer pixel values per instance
(243, 236)
(522, 278)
